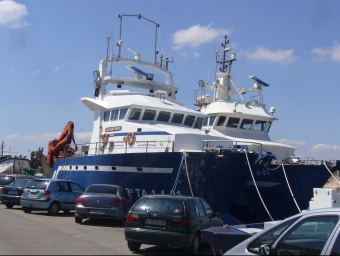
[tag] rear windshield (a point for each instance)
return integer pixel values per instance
(102, 189)
(5, 180)
(19, 183)
(37, 184)
(159, 205)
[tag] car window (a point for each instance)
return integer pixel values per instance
(159, 205)
(62, 186)
(269, 236)
(5, 180)
(207, 207)
(76, 188)
(102, 189)
(200, 208)
(19, 183)
(308, 237)
(192, 208)
(37, 184)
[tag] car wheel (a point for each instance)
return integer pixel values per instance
(26, 209)
(54, 208)
(9, 205)
(78, 220)
(195, 244)
(133, 246)
(66, 211)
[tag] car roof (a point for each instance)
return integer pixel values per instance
(48, 179)
(176, 197)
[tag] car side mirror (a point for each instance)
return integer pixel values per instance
(265, 249)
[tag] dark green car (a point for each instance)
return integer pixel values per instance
(169, 220)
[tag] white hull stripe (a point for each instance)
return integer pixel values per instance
(82, 168)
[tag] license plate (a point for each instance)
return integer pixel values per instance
(155, 222)
(12, 192)
(97, 211)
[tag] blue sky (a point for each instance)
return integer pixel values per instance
(49, 49)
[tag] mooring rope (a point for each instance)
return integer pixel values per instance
(291, 192)
(258, 192)
(177, 177)
(331, 173)
(186, 168)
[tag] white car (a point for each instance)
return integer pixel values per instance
(314, 232)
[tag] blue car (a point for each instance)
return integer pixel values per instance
(51, 195)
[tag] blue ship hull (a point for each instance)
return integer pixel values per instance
(224, 181)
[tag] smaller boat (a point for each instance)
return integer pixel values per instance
(10, 163)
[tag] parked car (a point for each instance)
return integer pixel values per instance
(102, 201)
(313, 232)
(11, 194)
(9, 178)
(169, 220)
(51, 195)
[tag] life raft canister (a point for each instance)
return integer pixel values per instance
(105, 138)
(131, 138)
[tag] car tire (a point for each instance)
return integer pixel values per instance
(9, 205)
(133, 246)
(26, 209)
(53, 209)
(194, 247)
(78, 220)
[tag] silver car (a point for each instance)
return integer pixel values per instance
(102, 201)
(314, 232)
(51, 195)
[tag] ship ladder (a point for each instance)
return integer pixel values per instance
(284, 172)
(186, 168)
(258, 192)
(331, 173)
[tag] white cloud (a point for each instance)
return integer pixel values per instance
(324, 147)
(197, 55)
(278, 56)
(332, 53)
(36, 72)
(55, 69)
(291, 142)
(12, 14)
(197, 35)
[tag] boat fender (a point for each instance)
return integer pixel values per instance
(265, 158)
(105, 138)
(131, 138)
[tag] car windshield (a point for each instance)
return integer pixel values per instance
(5, 180)
(19, 183)
(162, 205)
(102, 189)
(37, 184)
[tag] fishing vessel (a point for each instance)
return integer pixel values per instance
(12, 163)
(239, 114)
(146, 141)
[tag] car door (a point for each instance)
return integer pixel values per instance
(76, 191)
(63, 191)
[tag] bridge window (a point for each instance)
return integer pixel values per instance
(189, 120)
(163, 116)
(267, 126)
(135, 114)
(114, 115)
(199, 122)
(122, 113)
(259, 125)
(233, 122)
(177, 118)
(246, 124)
(212, 120)
(149, 114)
(221, 120)
(205, 122)
(106, 116)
